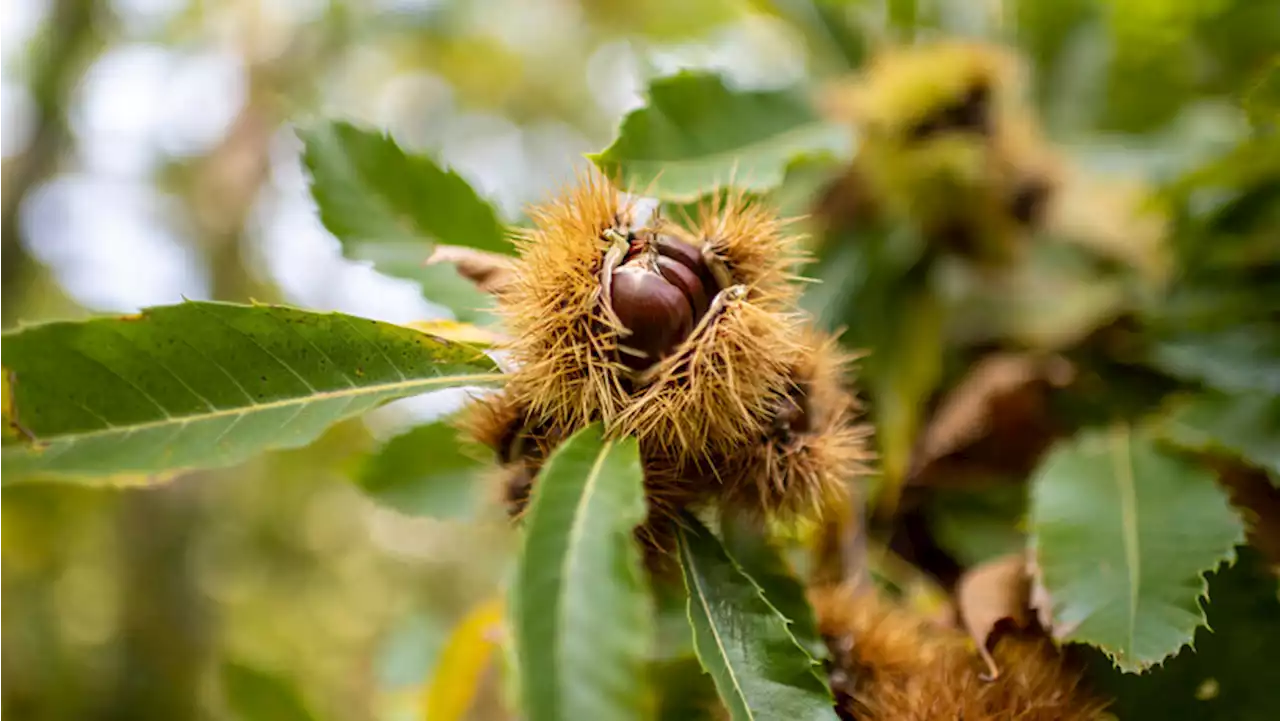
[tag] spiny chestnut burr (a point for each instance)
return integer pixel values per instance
(888, 662)
(657, 293)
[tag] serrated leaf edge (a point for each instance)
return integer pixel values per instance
(787, 622)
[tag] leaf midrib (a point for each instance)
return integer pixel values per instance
(569, 565)
(1123, 467)
(702, 601)
(113, 428)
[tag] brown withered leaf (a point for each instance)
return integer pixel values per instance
(990, 593)
(490, 272)
(995, 421)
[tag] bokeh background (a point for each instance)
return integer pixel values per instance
(147, 157)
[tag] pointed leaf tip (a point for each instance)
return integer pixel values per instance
(391, 207)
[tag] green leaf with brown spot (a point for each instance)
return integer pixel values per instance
(204, 385)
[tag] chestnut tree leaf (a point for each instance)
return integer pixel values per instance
(1234, 358)
(204, 385)
(465, 657)
(1227, 677)
(696, 134)
(760, 670)
(390, 208)
(423, 472)
(1123, 535)
(760, 559)
(369, 190)
(583, 617)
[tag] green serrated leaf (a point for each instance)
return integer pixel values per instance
(1123, 535)
(255, 695)
(760, 670)
(583, 618)
(1246, 425)
(369, 190)
(1227, 677)
(763, 563)
(423, 472)
(203, 385)
(390, 208)
(696, 135)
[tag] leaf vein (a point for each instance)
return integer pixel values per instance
(251, 339)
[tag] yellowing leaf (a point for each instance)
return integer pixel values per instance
(452, 330)
(462, 664)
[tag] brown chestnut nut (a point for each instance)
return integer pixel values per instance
(659, 292)
(656, 312)
(690, 257)
(687, 281)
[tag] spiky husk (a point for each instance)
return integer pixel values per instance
(713, 395)
(751, 241)
(504, 424)
(705, 409)
(806, 475)
(563, 344)
(521, 445)
(889, 664)
(974, 184)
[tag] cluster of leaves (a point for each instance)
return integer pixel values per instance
(1119, 482)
